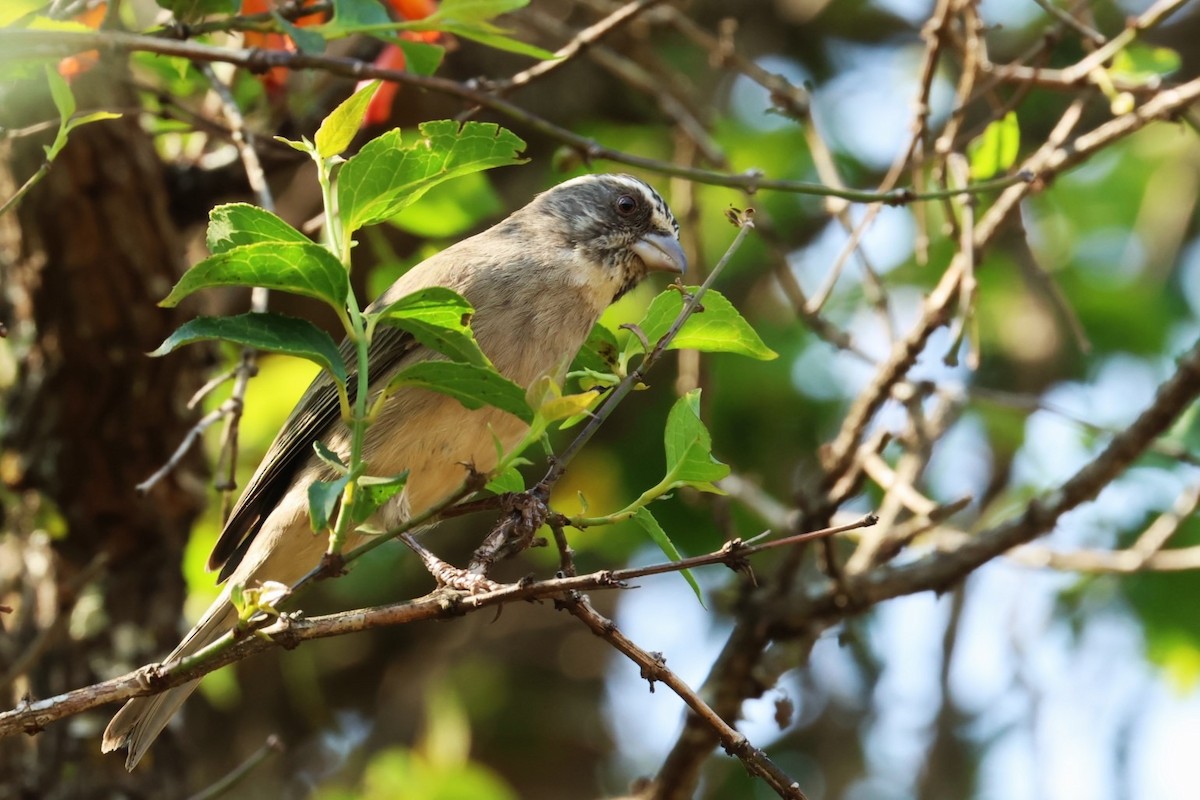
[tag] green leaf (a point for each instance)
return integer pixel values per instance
(496, 38)
(303, 268)
(274, 332)
(599, 353)
(510, 480)
(339, 128)
(351, 13)
(451, 209)
(420, 58)
(373, 493)
(995, 150)
(387, 174)
(474, 10)
(329, 456)
(307, 40)
(94, 116)
(718, 328)
(1142, 63)
(323, 498)
(238, 224)
(189, 10)
(13, 10)
(60, 93)
(689, 447)
(472, 385)
(650, 525)
(437, 318)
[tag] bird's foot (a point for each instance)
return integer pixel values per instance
(448, 575)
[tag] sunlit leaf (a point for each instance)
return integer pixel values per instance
(995, 150)
(274, 332)
(373, 493)
(689, 447)
(472, 385)
(303, 268)
(389, 173)
(650, 525)
(1141, 63)
(340, 127)
(237, 224)
(437, 318)
(718, 328)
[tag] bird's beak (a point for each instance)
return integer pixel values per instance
(659, 251)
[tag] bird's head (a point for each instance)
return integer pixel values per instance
(616, 227)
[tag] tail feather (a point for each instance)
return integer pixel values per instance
(142, 719)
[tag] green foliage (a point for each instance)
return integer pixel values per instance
(388, 174)
(717, 327)
(649, 524)
(239, 224)
(995, 150)
(399, 774)
(274, 332)
(451, 209)
(470, 384)
(373, 493)
(437, 318)
(689, 448)
(303, 268)
(64, 103)
(1162, 602)
(469, 19)
(1142, 63)
(340, 127)
(191, 10)
(323, 499)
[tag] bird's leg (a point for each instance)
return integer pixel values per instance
(525, 514)
(448, 575)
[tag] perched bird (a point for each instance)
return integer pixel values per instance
(538, 281)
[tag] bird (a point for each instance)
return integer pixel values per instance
(538, 281)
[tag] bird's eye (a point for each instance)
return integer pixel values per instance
(626, 205)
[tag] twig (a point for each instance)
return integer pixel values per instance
(36, 43)
(269, 748)
(638, 375)
(288, 631)
(231, 409)
(654, 669)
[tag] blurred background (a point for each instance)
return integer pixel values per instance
(1036, 677)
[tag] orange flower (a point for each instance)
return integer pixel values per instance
(276, 76)
(72, 67)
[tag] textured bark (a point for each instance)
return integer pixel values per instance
(83, 260)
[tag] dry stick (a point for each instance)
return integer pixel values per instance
(289, 630)
(936, 310)
(231, 409)
(681, 768)
(636, 76)
(654, 668)
(1145, 552)
(940, 570)
(582, 40)
(932, 32)
(1091, 34)
(270, 747)
(37, 44)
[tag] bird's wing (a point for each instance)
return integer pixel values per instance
(317, 411)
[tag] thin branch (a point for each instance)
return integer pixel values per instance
(287, 631)
(46, 44)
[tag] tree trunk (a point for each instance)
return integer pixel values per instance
(90, 568)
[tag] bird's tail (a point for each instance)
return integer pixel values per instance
(140, 720)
